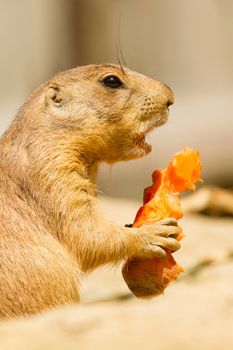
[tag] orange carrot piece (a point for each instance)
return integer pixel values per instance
(149, 277)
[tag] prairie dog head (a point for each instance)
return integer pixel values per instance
(106, 109)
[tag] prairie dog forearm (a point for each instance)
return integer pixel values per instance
(110, 242)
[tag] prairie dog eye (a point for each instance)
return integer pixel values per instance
(112, 82)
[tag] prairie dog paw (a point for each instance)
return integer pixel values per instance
(154, 238)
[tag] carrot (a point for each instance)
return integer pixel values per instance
(149, 277)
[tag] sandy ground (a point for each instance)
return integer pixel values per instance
(194, 313)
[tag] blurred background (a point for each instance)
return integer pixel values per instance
(188, 45)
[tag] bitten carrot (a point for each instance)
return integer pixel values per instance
(149, 277)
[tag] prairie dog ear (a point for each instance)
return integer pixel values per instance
(53, 95)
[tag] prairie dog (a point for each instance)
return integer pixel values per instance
(50, 227)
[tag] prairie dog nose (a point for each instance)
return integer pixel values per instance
(168, 95)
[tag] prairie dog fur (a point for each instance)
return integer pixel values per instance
(50, 228)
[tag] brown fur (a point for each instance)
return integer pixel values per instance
(50, 228)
